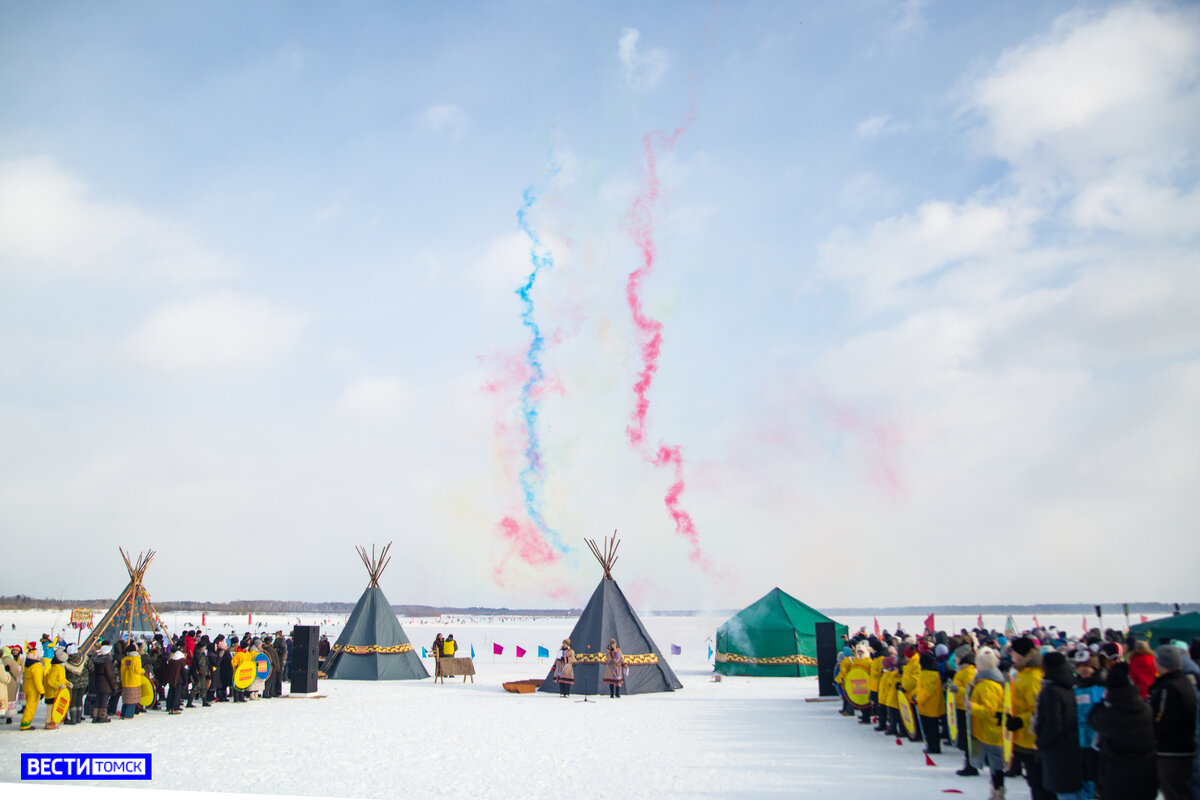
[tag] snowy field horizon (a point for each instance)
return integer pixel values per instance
(737, 737)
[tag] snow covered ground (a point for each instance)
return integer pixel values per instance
(740, 737)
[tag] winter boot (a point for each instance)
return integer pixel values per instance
(997, 794)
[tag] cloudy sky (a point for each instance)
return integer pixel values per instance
(880, 302)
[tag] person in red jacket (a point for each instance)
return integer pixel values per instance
(1142, 670)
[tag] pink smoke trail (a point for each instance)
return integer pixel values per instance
(649, 333)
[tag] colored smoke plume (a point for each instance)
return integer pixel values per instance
(649, 331)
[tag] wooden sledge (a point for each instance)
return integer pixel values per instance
(527, 686)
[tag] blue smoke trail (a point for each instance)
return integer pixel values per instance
(532, 476)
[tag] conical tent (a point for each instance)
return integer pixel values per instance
(373, 646)
(774, 636)
(132, 613)
(608, 615)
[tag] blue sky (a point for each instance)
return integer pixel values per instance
(926, 273)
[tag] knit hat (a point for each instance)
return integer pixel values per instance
(1169, 657)
(941, 650)
(1022, 645)
(1054, 660)
(987, 659)
(1118, 676)
(889, 663)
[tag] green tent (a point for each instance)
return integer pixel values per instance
(1183, 627)
(774, 636)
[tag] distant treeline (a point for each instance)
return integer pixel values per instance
(1109, 609)
(22, 602)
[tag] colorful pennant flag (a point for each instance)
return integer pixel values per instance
(710, 651)
(424, 653)
(520, 651)
(497, 650)
(929, 623)
(202, 621)
(1085, 623)
(472, 651)
(543, 652)
(676, 649)
(979, 622)
(1036, 624)
(876, 627)
(1144, 619)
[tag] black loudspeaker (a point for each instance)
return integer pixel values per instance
(303, 665)
(826, 658)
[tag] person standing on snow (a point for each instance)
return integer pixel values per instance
(1173, 702)
(614, 668)
(1056, 727)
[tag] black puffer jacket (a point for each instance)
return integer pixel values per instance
(1057, 728)
(1173, 701)
(1125, 726)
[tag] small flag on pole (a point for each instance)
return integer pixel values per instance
(520, 651)
(676, 649)
(543, 652)
(710, 651)
(979, 622)
(1036, 624)
(248, 618)
(497, 650)
(929, 623)
(424, 653)
(1144, 620)
(472, 651)
(876, 627)
(202, 621)
(1085, 623)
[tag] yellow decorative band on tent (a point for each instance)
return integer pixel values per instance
(362, 650)
(635, 660)
(735, 658)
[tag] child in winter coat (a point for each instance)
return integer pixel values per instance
(964, 676)
(931, 702)
(985, 705)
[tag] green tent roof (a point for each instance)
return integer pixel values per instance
(775, 635)
(1184, 627)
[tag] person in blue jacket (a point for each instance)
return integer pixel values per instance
(1089, 692)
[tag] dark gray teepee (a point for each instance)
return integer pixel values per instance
(608, 615)
(373, 646)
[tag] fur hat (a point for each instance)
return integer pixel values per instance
(105, 649)
(1169, 657)
(1023, 645)
(986, 659)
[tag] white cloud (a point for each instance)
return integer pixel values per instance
(902, 249)
(445, 119)
(645, 69)
(1095, 88)
(373, 395)
(880, 125)
(218, 331)
(51, 225)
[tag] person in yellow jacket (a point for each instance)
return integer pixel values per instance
(1027, 659)
(985, 706)
(240, 656)
(55, 679)
(862, 660)
(845, 662)
(873, 677)
(35, 685)
(888, 702)
(964, 676)
(131, 681)
(909, 672)
(931, 702)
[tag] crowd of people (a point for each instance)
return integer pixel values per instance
(1101, 716)
(121, 678)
